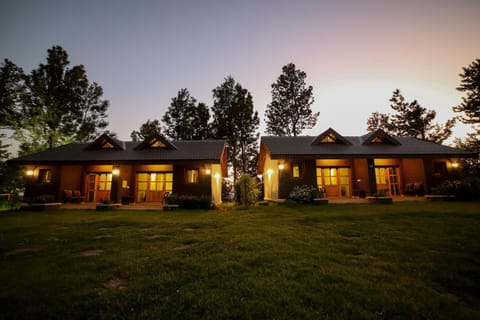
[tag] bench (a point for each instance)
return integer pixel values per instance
(72, 196)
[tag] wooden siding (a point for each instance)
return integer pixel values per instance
(286, 180)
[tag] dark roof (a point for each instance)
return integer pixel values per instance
(195, 150)
(360, 146)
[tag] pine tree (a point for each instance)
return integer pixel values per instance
(235, 119)
(58, 105)
(470, 85)
(147, 129)
(185, 119)
(410, 119)
(290, 111)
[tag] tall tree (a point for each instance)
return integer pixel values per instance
(290, 111)
(410, 119)
(470, 85)
(185, 119)
(59, 105)
(236, 120)
(147, 129)
(11, 89)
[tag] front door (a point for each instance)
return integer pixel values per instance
(91, 187)
(152, 186)
(387, 180)
(335, 181)
(98, 186)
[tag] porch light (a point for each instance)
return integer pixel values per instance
(116, 171)
(281, 166)
(30, 172)
(455, 165)
(217, 176)
(269, 173)
(208, 172)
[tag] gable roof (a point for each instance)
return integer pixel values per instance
(106, 142)
(79, 153)
(358, 147)
(330, 136)
(379, 136)
(154, 142)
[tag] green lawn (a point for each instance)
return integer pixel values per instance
(406, 260)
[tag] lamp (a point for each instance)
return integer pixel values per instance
(116, 171)
(281, 166)
(455, 165)
(208, 171)
(269, 173)
(30, 172)
(217, 176)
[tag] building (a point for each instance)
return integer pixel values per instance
(139, 172)
(372, 164)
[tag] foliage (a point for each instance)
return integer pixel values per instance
(185, 119)
(149, 128)
(290, 111)
(470, 85)
(11, 87)
(235, 119)
(303, 194)
(246, 190)
(190, 202)
(44, 198)
(466, 188)
(470, 166)
(11, 180)
(410, 119)
(52, 105)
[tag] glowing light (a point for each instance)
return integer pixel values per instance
(269, 173)
(153, 177)
(281, 166)
(208, 171)
(455, 165)
(217, 176)
(116, 171)
(30, 173)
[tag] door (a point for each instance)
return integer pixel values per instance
(387, 180)
(91, 187)
(152, 186)
(335, 181)
(104, 185)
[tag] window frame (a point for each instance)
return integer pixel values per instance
(192, 175)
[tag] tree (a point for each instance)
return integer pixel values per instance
(185, 119)
(11, 88)
(235, 120)
(290, 111)
(147, 129)
(470, 85)
(58, 105)
(410, 119)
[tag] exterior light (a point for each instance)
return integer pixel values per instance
(116, 171)
(217, 176)
(208, 171)
(269, 173)
(30, 172)
(455, 165)
(281, 166)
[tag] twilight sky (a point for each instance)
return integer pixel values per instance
(355, 53)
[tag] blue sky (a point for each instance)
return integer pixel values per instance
(355, 53)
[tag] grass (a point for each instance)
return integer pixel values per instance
(407, 260)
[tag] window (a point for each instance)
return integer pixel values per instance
(192, 176)
(296, 171)
(105, 182)
(440, 169)
(44, 175)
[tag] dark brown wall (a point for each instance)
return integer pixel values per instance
(203, 187)
(34, 188)
(287, 182)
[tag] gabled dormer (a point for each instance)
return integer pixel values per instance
(380, 137)
(105, 142)
(156, 142)
(330, 136)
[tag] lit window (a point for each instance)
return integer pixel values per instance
(296, 171)
(44, 175)
(105, 182)
(192, 176)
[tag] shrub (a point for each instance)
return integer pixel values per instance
(246, 190)
(190, 202)
(303, 194)
(467, 188)
(44, 198)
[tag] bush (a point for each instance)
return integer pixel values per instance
(190, 202)
(304, 194)
(44, 198)
(468, 188)
(246, 191)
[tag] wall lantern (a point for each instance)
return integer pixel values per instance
(116, 171)
(455, 165)
(281, 166)
(269, 173)
(217, 176)
(208, 171)
(30, 172)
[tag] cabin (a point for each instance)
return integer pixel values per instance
(127, 172)
(355, 166)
